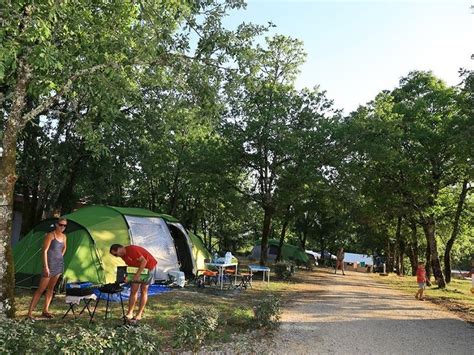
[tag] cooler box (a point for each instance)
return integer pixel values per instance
(79, 289)
(128, 272)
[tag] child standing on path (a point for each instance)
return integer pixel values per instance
(340, 260)
(421, 279)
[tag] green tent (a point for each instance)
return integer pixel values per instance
(91, 231)
(289, 252)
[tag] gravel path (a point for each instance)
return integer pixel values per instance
(354, 314)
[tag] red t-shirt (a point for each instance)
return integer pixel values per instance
(420, 274)
(134, 252)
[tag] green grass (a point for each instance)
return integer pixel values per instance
(235, 308)
(457, 290)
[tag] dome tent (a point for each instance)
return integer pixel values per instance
(289, 252)
(92, 230)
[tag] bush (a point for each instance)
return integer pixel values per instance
(16, 337)
(24, 337)
(284, 270)
(310, 264)
(135, 340)
(80, 340)
(194, 325)
(267, 312)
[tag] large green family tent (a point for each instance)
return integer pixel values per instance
(90, 233)
(289, 252)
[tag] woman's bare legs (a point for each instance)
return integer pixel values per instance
(49, 292)
(37, 295)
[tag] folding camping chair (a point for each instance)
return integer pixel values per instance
(206, 277)
(73, 301)
(245, 280)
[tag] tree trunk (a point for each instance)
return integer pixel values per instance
(413, 249)
(13, 125)
(455, 231)
(429, 228)
(402, 256)
(282, 238)
(305, 237)
(267, 224)
(389, 265)
(428, 261)
(397, 246)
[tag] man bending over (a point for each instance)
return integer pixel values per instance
(136, 256)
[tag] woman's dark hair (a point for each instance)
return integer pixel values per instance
(115, 247)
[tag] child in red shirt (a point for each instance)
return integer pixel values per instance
(421, 279)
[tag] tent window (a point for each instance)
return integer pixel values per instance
(153, 234)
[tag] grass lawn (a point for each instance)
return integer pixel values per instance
(456, 296)
(235, 309)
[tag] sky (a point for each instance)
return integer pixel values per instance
(356, 48)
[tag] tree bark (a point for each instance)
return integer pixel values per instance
(267, 225)
(402, 256)
(455, 231)
(428, 261)
(389, 265)
(397, 246)
(413, 249)
(13, 125)
(429, 227)
(282, 237)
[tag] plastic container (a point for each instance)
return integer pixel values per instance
(79, 289)
(228, 258)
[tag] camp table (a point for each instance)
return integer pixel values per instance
(76, 301)
(263, 269)
(221, 267)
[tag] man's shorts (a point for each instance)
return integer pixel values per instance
(421, 285)
(151, 279)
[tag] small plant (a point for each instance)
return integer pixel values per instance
(194, 325)
(16, 337)
(80, 340)
(284, 270)
(23, 337)
(267, 312)
(135, 340)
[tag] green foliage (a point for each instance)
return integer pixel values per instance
(310, 264)
(267, 312)
(16, 337)
(194, 325)
(24, 337)
(284, 270)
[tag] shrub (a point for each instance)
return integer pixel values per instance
(100, 339)
(16, 337)
(135, 340)
(80, 340)
(284, 270)
(241, 317)
(267, 312)
(194, 325)
(23, 337)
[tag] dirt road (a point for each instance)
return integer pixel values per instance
(354, 314)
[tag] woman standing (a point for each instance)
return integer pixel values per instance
(54, 247)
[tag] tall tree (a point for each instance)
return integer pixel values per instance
(267, 119)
